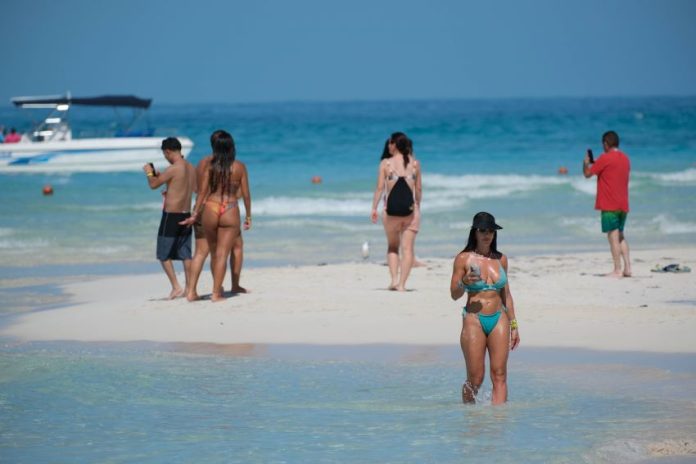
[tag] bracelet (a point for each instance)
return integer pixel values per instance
(248, 218)
(513, 324)
(149, 174)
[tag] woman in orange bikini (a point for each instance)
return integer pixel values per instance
(223, 184)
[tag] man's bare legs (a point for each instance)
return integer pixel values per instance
(236, 261)
(168, 267)
(625, 255)
(202, 251)
(619, 252)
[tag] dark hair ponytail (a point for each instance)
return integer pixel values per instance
(403, 144)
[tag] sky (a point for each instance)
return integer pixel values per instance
(233, 51)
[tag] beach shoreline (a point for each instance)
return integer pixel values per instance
(560, 299)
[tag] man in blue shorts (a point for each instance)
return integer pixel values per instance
(173, 239)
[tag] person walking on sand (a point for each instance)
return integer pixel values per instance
(174, 240)
(612, 169)
(202, 248)
(400, 175)
(488, 319)
(225, 181)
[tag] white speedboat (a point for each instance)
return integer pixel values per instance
(51, 147)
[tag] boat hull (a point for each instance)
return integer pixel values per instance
(86, 155)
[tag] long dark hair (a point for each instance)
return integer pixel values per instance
(385, 152)
(224, 154)
(403, 144)
(471, 244)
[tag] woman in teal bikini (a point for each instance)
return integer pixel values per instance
(489, 323)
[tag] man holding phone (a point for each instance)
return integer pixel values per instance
(612, 169)
(173, 239)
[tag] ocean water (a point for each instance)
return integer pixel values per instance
(72, 402)
(260, 404)
(501, 156)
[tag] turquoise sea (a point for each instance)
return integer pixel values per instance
(79, 402)
(500, 156)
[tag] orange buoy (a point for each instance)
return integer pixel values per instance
(563, 170)
(316, 180)
(47, 189)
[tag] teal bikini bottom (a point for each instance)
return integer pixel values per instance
(488, 321)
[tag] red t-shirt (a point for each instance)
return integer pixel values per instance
(612, 170)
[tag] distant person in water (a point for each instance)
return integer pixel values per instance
(225, 181)
(173, 239)
(612, 169)
(13, 136)
(399, 182)
(488, 319)
(202, 248)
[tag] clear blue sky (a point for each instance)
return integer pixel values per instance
(255, 50)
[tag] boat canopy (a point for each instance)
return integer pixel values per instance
(104, 100)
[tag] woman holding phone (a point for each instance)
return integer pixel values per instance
(488, 319)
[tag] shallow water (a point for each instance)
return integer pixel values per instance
(207, 403)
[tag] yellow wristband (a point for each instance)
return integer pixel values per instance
(513, 324)
(149, 174)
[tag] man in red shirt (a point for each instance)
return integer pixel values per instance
(612, 169)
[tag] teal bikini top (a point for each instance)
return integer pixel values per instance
(481, 286)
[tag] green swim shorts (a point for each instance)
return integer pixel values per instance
(612, 220)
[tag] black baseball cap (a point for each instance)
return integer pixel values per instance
(485, 221)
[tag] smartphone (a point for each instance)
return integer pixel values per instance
(475, 269)
(152, 166)
(590, 155)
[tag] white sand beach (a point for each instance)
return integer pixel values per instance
(561, 301)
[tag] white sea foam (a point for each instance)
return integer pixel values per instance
(506, 182)
(304, 206)
(442, 193)
(666, 224)
(586, 186)
(303, 223)
(19, 244)
(589, 224)
(687, 176)
(123, 207)
(661, 224)
(108, 250)
(71, 168)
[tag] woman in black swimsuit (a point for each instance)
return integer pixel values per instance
(400, 176)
